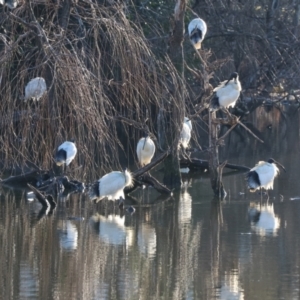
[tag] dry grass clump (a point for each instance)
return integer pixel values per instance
(97, 66)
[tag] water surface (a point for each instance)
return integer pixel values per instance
(185, 247)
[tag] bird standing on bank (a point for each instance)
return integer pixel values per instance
(65, 153)
(263, 175)
(111, 186)
(227, 93)
(35, 89)
(145, 150)
(197, 29)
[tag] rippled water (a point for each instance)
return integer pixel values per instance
(185, 247)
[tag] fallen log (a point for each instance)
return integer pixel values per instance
(195, 163)
(141, 176)
(150, 166)
(149, 180)
(46, 201)
(45, 181)
(31, 177)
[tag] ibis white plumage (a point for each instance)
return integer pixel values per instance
(227, 93)
(65, 153)
(9, 3)
(186, 133)
(197, 29)
(111, 186)
(145, 150)
(263, 175)
(35, 89)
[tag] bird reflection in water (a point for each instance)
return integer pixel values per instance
(185, 204)
(147, 240)
(230, 288)
(263, 219)
(111, 229)
(68, 235)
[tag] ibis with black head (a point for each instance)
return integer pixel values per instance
(111, 186)
(227, 93)
(65, 153)
(263, 174)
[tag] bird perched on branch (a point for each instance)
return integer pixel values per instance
(227, 93)
(35, 89)
(197, 29)
(263, 175)
(185, 134)
(9, 3)
(111, 186)
(145, 150)
(65, 153)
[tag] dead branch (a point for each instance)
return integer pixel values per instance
(46, 201)
(141, 178)
(23, 179)
(148, 179)
(136, 124)
(150, 166)
(247, 129)
(195, 163)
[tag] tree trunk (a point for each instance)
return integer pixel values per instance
(215, 170)
(296, 17)
(172, 113)
(270, 31)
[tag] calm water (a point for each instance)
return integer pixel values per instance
(185, 247)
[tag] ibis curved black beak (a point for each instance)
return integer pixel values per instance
(272, 160)
(234, 76)
(280, 165)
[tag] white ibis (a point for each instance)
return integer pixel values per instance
(10, 3)
(227, 93)
(185, 134)
(263, 175)
(145, 150)
(35, 89)
(197, 29)
(65, 153)
(111, 186)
